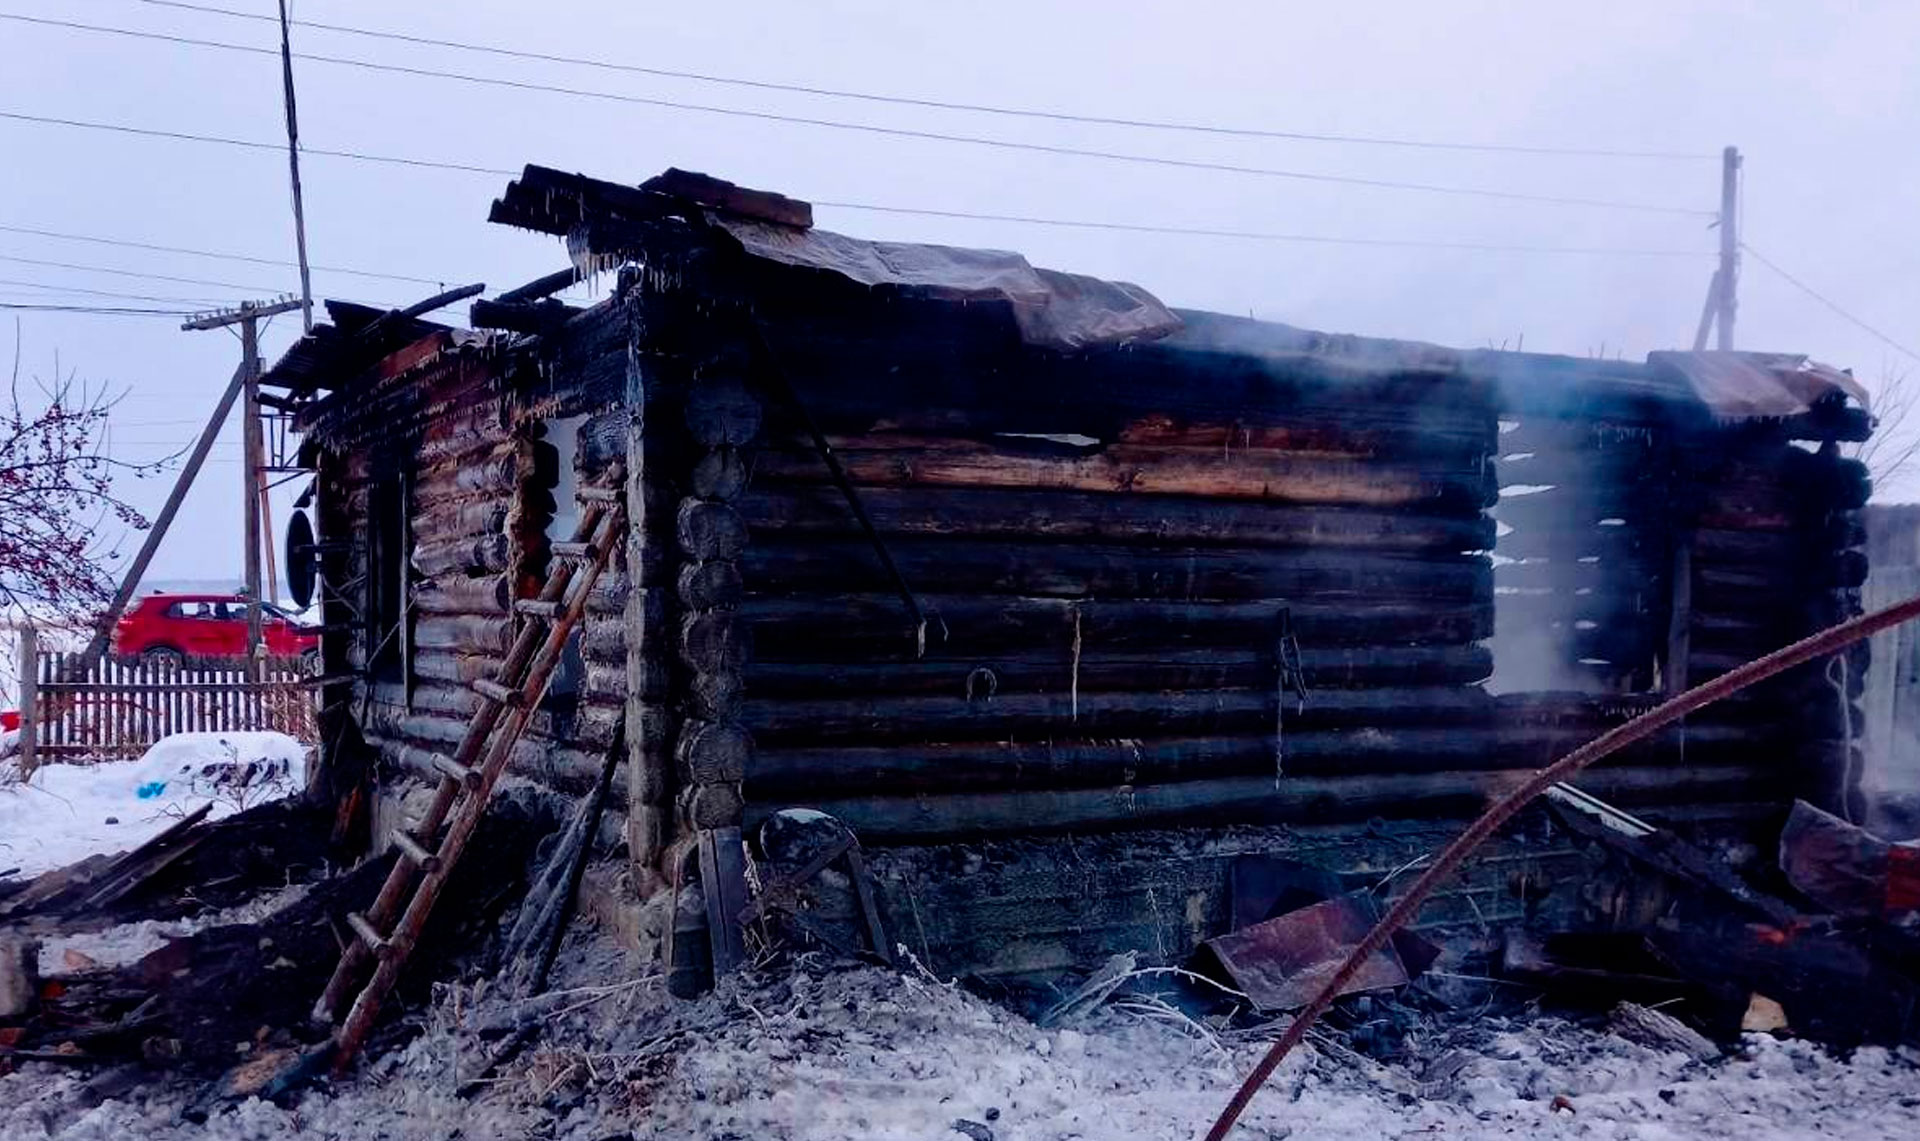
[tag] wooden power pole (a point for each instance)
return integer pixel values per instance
(247, 317)
(1723, 292)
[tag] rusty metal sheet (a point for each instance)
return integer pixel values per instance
(1743, 386)
(1282, 963)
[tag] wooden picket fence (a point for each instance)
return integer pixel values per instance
(122, 706)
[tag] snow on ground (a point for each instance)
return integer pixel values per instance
(66, 812)
(866, 1053)
(131, 942)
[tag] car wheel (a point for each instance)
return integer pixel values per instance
(164, 656)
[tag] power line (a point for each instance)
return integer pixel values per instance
(249, 144)
(939, 104)
(122, 128)
(1810, 291)
(891, 132)
(1258, 235)
(102, 292)
(133, 273)
(277, 262)
(95, 310)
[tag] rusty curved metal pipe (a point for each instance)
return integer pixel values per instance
(1799, 653)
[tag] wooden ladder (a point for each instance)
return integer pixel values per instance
(388, 932)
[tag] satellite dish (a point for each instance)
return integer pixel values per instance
(303, 559)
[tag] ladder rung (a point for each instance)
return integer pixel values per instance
(538, 608)
(413, 850)
(585, 552)
(454, 770)
(363, 927)
(495, 692)
(599, 494)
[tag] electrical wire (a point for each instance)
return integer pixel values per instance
(133, 245)
(939, 104)
(1259, 235)
(1822, 298)
(95, 310)
(891, 132)
(250, 144)
(188, 301)
(279, 148)
(133, 273)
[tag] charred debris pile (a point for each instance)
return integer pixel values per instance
(903, 600)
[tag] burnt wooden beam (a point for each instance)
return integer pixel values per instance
(780, 772)
(542, 317)
(1272, 475)
(1056, 670)
(1074, 570)
(1255, 799)
(1141, 519)
(540, 287)
(871, 627)
(1105, 714)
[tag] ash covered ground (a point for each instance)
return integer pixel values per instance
(839, 1052)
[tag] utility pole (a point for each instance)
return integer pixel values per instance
(1729, 243)
(1723, 292)
(293, 168)
(248, 316)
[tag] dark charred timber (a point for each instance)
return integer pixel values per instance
(1135, 519)
(1248, 800)
(488, 554)
(722, 412)
(460, 669)
(1103, 714)
(945, 673)
(1740, 548)
(717, 641)
(464, 634)
(875, 628)
(715, 696)
(495, 474)
(711, 585)
(960, 566)
(783, 774)
(481, 440)
(712, 805)
(710, 530)
(1324, 438)
(541, 318)
(1274, 476)
(721, 475)
(710, 753)
(474, 518)
(976, 381)
(539, 287)
(460, 595)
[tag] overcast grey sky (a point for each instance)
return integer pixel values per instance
(1820, 98)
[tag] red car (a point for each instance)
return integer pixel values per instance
(170, 627)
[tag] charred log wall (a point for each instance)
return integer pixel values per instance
(1108, 547)
(466, 434)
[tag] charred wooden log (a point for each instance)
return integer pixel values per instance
(875, 627)
(1073, 570)
(1138, 519)
(1296, 800)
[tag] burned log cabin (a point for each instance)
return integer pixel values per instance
(1061, 600)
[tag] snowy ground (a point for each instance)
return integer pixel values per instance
(866, 1053)
(67, 812)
